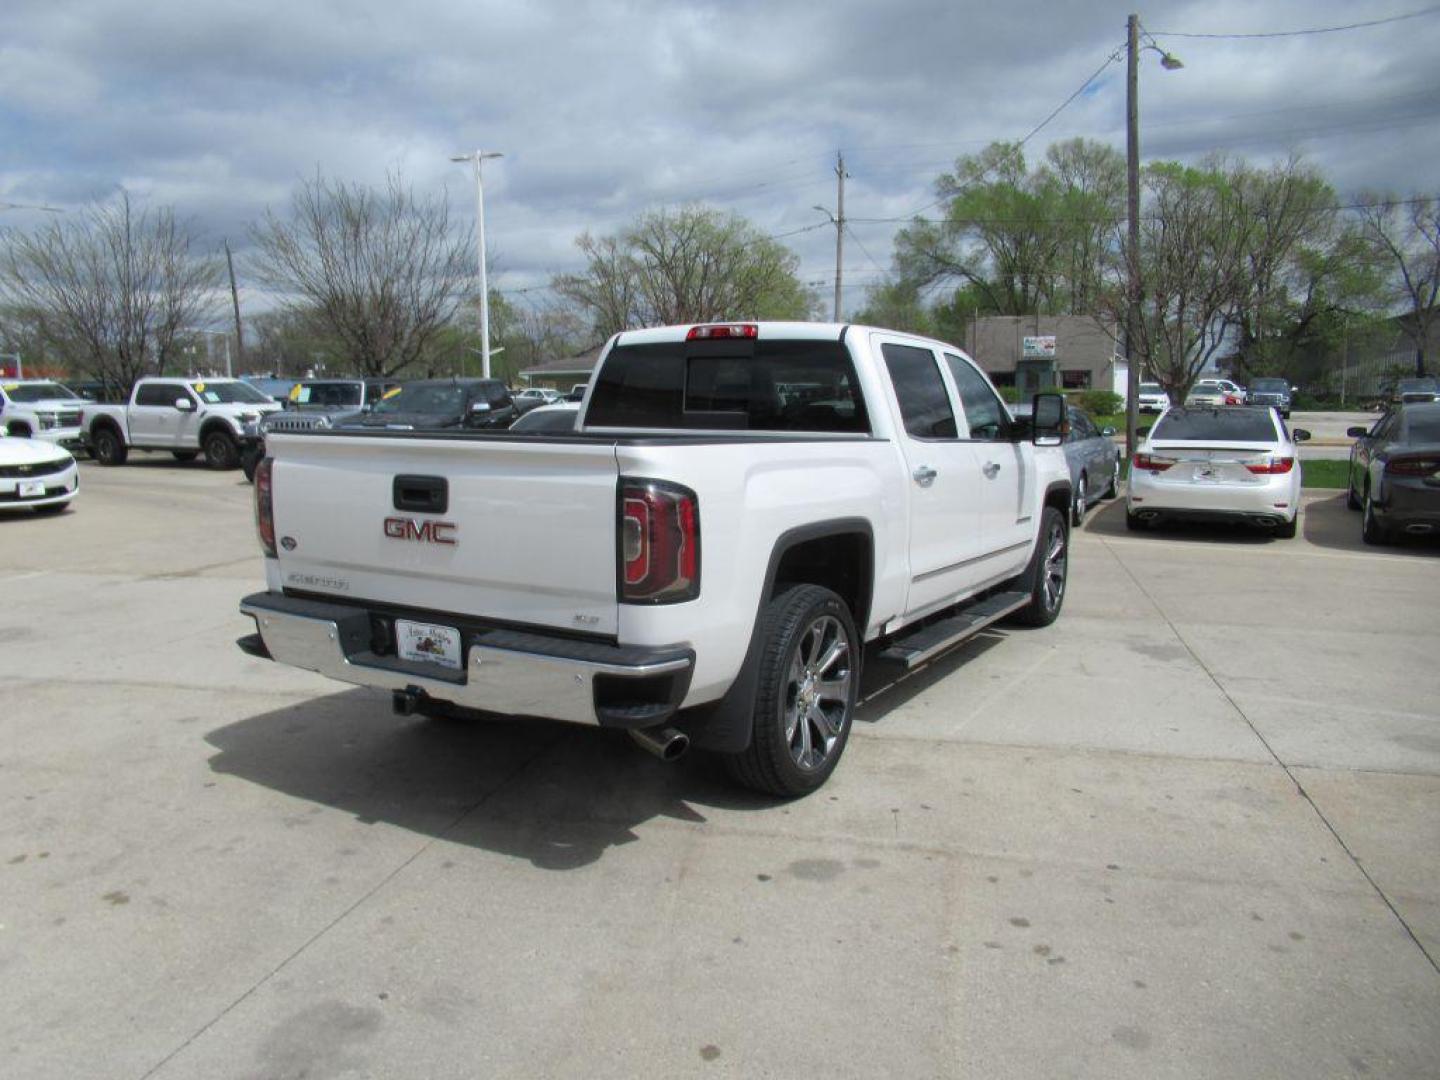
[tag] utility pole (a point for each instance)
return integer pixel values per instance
(1132, 245)
(478, 157)
(839, 227)
(235, 302)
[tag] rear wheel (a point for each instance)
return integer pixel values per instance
(221, 451)
(107, 447)
(805, 703)
(1048, 571)
(1134, 522)
(1077, 509)
(20, 431)
(1371, 529)
(1114, 488)
(1351, 501)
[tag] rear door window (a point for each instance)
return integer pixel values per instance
(920, 391)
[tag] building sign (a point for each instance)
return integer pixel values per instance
(1040, 347)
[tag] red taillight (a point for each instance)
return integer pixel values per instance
(265, 506)
(1274, 466)
(722, 330)
(659, 543)
(1413, 466)
(1153, 464)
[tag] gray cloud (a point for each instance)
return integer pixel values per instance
(604, 109)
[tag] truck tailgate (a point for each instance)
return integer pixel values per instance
(531, 536)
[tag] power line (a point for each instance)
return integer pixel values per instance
(1112, 58)
(1317, 30)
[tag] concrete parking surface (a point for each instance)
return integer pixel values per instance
(1191, 830)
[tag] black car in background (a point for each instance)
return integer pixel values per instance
(439, 405)
(1395, 473)
(1272, 392)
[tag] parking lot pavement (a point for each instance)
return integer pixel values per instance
(1189, 830)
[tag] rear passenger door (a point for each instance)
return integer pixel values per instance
(942, 482)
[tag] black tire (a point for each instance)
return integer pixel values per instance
(1134, 523)
(250, 459)
(1371, 529)
(1048, 571)
(1077, 503)
(20, 431)
(1113, 489)
(221, 449)
(1352, 502)
(807, 632)
(1286, 529)
(52, 508)
(184, 455)
(107, 447)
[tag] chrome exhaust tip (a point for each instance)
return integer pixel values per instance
(1267, 522)
(1148, 515)
(665, 743)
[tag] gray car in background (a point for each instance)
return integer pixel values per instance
(1093, 457)
(1274, 393)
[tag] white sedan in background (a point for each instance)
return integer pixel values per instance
(35, 474)
(1236, 464)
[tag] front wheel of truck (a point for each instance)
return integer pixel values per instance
(1048, 571)
(805, 701)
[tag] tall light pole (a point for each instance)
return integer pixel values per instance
(1132, 245)
(478, 157)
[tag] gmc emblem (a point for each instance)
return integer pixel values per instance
(423, 532)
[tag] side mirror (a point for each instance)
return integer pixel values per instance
(1357, 432)
(1107, 431)
(184, 404)
(1051, 421)
(1299, 434)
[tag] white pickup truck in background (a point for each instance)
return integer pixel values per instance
(187, 417)
(42, 409)
(740, 509)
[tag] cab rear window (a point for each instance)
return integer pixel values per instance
(750, 386)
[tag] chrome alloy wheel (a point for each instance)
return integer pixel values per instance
(817, 691)
(1052, 571)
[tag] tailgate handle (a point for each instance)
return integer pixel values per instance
(422, 494)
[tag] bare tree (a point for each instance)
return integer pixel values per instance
(690, 265)
(1407, 233)
(113, 289)
(1193, 239)
(382, 270)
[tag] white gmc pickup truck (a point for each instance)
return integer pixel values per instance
(739, 510)
(187, 417)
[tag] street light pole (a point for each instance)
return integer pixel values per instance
(477, 158)
(1132, 243)
(1133, 290)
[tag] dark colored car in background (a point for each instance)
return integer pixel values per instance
(439, 405)
(1272, 392)
(1093, 457)
(1415, 390)
(312, 405)
(1395, 473)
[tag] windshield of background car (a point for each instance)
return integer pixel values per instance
(760, 386)
(331, 395)
(1270, 386)
(1410, 386)
(47, 391)
(230, 393)
(1149, 388)
(435, 399)
(1242, 425)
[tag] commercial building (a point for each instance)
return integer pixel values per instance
(1040, 352)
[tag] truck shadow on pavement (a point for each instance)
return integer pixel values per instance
(554, 794)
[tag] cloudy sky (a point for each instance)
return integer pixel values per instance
(605, 109)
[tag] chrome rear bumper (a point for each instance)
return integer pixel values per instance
(505, 671)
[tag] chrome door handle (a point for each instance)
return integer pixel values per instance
(991, 470)
(924, 475)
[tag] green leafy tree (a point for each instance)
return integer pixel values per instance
(690, 265)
